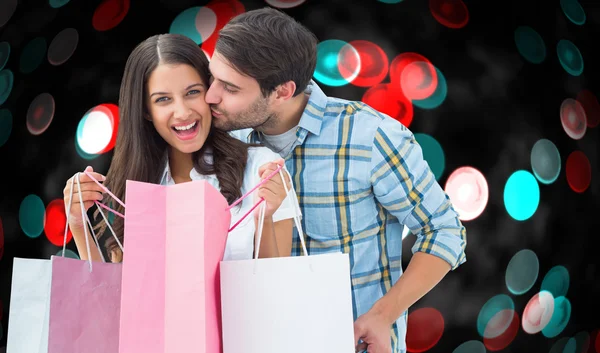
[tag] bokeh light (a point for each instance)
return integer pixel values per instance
(521, 195)
(4, 54)
(418, 80)
(530, 44)
(32, 216)
(468, 191)
(591, 107)
(522, 272)
(329, 54)
(40, 113)
(33, 55)
(109, 14)
(68, 253)
(573, 11)
(470, 347)
(571, 346)
(7, 9)
(389, 100)
(538, 312)
(508, 335)
(6, 84)
(450, 13)
(197, 23)
(224, 10)
(573, 118)
(6, 122)
(559, 346)
(56, 219)
(432, 153)
(489, 310)
(582, 340)
(97, 130)
(58, 3)
(285, 4)
(372, 63)
(545, 161)
(570, 57)
(82, 154)
(63, 46)
(424, 329)
(560, 318)
(579, 171)
(556, 281)
(437, 97)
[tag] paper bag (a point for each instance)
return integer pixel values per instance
(288, 304)
(29, 304)
(84, 307)
(175, 237)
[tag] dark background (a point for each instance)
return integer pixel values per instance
(498, 106)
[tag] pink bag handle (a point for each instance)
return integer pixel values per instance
(105, 189)
(250, 192)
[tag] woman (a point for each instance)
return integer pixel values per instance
(165, 137)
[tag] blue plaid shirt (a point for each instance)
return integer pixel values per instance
(360, 177)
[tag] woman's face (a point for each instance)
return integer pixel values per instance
(175, 96)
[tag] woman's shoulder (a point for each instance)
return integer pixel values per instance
(259, 155)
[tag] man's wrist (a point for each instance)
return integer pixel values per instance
(387, 309)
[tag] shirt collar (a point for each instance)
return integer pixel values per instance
(312, 117)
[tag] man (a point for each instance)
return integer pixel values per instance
(359, 174)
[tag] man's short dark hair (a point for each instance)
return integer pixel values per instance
(271, 47)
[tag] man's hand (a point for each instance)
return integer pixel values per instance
(374, 330)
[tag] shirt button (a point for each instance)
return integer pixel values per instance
(349, 109)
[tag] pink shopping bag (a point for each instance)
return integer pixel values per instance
(170, 296)
(85, 300)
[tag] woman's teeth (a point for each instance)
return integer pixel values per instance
(187, 127)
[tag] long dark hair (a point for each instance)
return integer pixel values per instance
(140, 152)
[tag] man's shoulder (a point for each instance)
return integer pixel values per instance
(363, 119)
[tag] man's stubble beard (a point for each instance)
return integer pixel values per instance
(256, 117)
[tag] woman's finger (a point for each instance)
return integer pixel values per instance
(86, 196)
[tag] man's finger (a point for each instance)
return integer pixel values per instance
(361, 347)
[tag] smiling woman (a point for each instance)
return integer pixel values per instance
(166, 137)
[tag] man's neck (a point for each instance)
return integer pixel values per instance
(289, 116)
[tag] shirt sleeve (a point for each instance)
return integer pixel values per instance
(289, 207)
(404, 184)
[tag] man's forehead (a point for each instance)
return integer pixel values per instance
(221, 69)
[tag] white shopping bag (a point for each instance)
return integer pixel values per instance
(29, 306)
(292, 304)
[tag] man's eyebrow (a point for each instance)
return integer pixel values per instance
(229, 83)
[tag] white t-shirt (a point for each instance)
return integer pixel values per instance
(240, 241)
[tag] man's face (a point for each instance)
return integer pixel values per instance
(235, 100)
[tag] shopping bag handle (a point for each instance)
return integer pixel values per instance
(105, 189)
(247, 194)
(261, 216)
(87, 222)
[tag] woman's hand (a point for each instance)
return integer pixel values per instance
(273, 191)
(90, 192)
